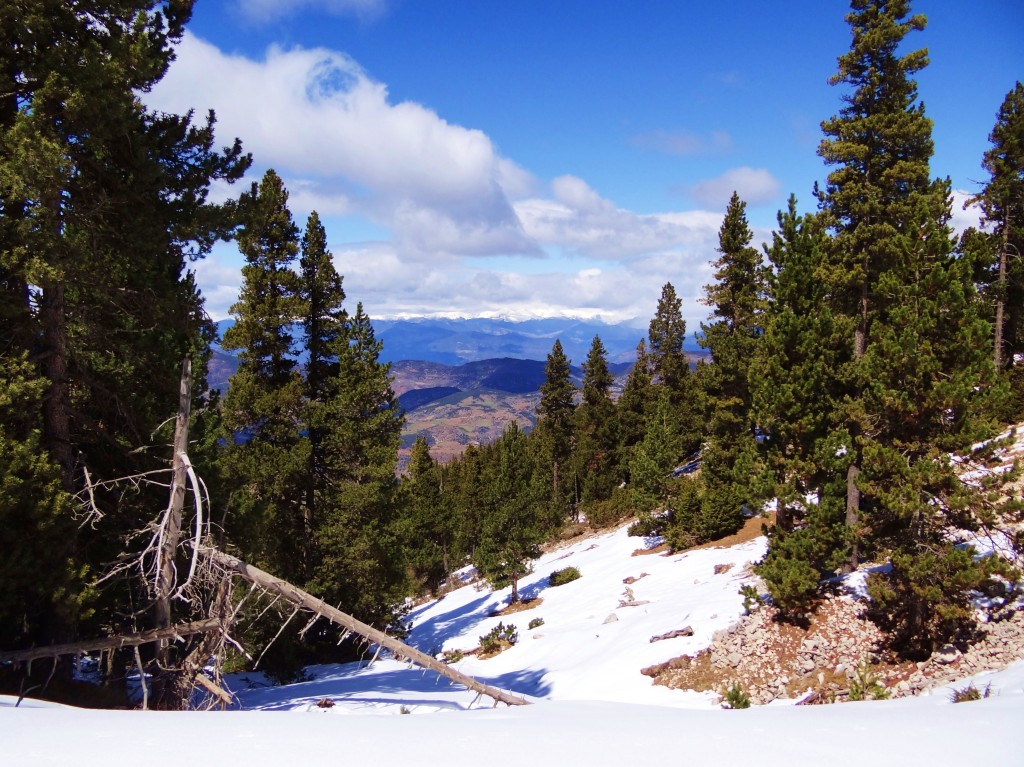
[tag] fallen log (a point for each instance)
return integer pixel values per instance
(685, 631)
(114, 642)
(215, 689)
(304, 599)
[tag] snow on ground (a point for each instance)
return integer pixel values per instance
(581, 670)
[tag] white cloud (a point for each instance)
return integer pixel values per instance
(964, 213)
(439, 195)
(268, 10)
(316, 116)
(684, 142)
(580, 220)
(754, 185)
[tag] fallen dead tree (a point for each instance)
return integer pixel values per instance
(305, 600)
(112, 643)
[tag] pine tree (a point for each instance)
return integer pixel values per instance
(880, 144)
(263, 410)
(796, 385)
(361, 566)
(596, 432)
(633, 409)
(325, 331)
(430, 519)
(670, 370)
(36, 524)
(737, 298)
(553, 436)
(666, 333)
(919, 349)
(512, 527)
(653, 459)
(1002, 203)
(103, 205)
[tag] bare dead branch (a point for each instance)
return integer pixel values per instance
(112, 643)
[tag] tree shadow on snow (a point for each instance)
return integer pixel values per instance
(429, 635)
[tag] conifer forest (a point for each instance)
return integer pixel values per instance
(849, 362)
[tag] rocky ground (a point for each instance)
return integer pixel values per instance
(837, 652)
(837, 656)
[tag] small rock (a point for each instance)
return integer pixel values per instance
(610, 619)
(946, 654)
(719, 569)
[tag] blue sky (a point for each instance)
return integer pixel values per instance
(566, 157)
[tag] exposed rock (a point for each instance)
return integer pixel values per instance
(719, 569)
(946, 654)
(686, 631)
(610, 619)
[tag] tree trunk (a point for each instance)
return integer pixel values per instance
(1001, 295)
(166, 572)
(56, 423)
(852, 514)
(853, 499)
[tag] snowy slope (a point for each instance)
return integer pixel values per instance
(580, 669)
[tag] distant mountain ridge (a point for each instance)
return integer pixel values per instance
(461, 381)
(453, 406)
(457, 341)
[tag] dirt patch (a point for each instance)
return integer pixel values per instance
(752, 528)
(518, 607)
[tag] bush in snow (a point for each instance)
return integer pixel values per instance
(735, 697)
(561, 577)
(499, 638)
(970, 692)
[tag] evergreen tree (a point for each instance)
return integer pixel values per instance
(36, 525)
(1002, 202)
(596, 433)
(324, 333)
(361, 566)
(737, 300)
(796, 385)
(919, 349)
(512, 528)
(633, 409)
(431, 530)
(654, 458)
(553, 436)
(263, 410)
(880, 144)
(670, 370)
(666, 333)
(102, 205)
(469, 477)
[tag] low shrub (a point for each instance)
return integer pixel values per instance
(865, 685)
(751, 599)
(561, 577)
(453, 656)
(536, 623)
(499, 638)
(735, 697)
(970, 692)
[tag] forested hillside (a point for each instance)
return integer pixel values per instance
(846, 363)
